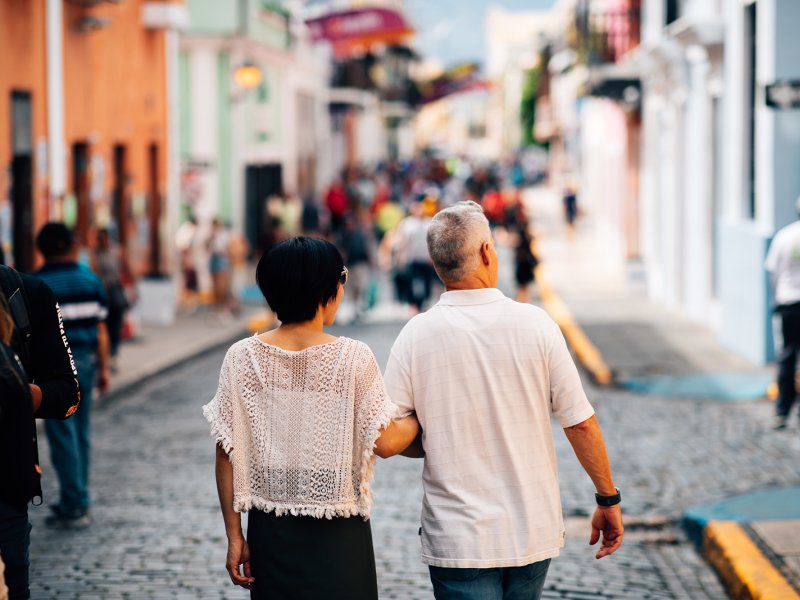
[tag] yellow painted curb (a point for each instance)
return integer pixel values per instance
(584, 349)
(744, 570)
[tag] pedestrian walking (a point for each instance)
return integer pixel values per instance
(783, 264)
(525, 263)
(570, 206)
(411, 251)
(219, 265)
(298, 418)
(356, 247)
(110, 268)
(82, 299)
(484, 375)
(37, 380)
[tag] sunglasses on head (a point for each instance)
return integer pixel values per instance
(343, 276)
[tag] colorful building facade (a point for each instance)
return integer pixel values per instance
(87, 88)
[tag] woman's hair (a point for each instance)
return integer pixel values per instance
(298, 275)
(6, 324)
(455, 236)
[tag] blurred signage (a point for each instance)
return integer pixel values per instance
(784, 94)
(461, 78)
(358, 29)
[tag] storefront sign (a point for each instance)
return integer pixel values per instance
(350, 29)
(783, 94)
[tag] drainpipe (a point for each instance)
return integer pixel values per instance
(55, 99)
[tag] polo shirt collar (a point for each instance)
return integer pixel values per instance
(471, 297)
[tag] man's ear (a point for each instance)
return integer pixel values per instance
(485, 253)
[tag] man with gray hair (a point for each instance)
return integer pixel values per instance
(485, 375)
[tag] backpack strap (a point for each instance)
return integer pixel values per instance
(14, 291)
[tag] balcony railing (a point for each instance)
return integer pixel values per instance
(605, 35)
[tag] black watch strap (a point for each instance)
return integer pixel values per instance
(608, 500)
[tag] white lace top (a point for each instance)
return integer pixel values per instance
(300, 426)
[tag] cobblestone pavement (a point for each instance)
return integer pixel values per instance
(157, 531)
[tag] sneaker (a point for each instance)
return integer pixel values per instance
(57, 521)
(779, 423)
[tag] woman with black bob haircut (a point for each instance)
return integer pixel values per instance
(299, 275)
(298, 418)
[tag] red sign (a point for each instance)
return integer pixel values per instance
(361, 26)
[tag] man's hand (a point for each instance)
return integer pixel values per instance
(239, 554)
(103, 379)
(36, 396)
(608, 520)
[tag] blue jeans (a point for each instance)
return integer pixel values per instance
(70, 443)
(15, 538)
(502, 583)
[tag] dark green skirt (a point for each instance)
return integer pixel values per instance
(298, 558)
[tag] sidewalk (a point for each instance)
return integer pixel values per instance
(159, 348)
(622, 338)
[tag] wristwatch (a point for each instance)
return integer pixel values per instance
(608, 500)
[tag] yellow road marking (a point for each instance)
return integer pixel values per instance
(740, 564)
(584, 349)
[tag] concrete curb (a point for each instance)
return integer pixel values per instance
(177, 360)
(744, 570)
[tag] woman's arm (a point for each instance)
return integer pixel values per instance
(238, 552)
(397, 436)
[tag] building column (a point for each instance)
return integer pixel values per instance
(55, 99)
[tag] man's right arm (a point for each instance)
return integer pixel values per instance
(50, 362)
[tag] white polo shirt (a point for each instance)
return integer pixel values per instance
(485, 374)
(783, 262)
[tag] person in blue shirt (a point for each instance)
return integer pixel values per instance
(82, 300)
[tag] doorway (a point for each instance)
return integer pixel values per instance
(154, 211)
(261, 182)
(22, 180)
(119, 207)
(80, 186)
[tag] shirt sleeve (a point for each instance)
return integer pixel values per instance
(374, 409)
(568, 402)
(219, 412)
(50, 364)
(398, 379)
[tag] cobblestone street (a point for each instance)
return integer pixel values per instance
(158, 533)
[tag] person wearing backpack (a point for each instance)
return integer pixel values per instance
(37, 380)
(84, 308)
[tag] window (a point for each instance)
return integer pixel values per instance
(671, 11)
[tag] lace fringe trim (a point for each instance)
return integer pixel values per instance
(388, 413)
(349, 509)
(219, 435)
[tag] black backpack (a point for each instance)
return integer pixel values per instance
(14, 292)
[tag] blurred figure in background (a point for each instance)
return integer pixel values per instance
(220, 266)
(82, 299)
(336, 202)
(525, 263)
(783, 264)
(410, 242)
(571, 205)
(309, 218)
(185, 240)
(355, 246)
(109, 266)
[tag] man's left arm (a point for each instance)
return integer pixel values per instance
(587, 441)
